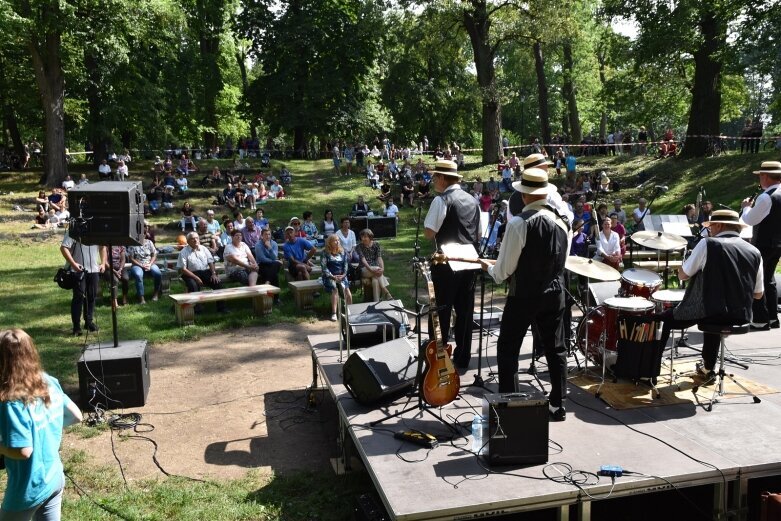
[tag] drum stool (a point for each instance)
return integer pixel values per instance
(724, 330)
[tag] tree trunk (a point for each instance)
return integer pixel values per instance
(47, 64)
(477, 24)
(570, 95)
(542, 93)
(299, 138)
(705, 112)
(13, 129)
(603, 82)
(98, 133)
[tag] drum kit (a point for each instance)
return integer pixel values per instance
(639, 295)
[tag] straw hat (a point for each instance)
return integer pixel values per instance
(534, 181)
(446, 167)
(535, 161)
(725, 217)
(769, 167)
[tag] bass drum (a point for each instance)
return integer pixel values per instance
(598, 331)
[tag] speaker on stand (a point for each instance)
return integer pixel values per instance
(111, 213)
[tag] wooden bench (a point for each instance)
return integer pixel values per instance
(304, 291)
(262, 297)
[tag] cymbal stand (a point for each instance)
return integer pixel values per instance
(572, 344)
(584, 324)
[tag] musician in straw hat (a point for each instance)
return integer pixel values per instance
(726, 274)
(764, 214)
(454, 217)
(532, 258)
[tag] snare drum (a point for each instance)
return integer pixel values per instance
(602, 326)
(639, 283)
(667, 298)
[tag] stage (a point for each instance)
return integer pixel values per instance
(684, 445)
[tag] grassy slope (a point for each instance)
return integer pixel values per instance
(29, 299)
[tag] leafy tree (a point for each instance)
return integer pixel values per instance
(313, 57)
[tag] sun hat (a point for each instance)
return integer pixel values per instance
(535, 161)
(294, 219)
(534, 181)
(446, 167)
(724, 217)
(769, 167)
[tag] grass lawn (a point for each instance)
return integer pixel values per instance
(30, 300)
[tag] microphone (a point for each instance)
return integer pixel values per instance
(723, 206)
(661, 188)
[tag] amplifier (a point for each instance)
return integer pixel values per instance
(517, 428)
(119, 374)
(363, 333)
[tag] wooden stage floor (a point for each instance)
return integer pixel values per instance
(685, 444)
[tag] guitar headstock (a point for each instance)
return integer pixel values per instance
(439, 258)
(425, 270)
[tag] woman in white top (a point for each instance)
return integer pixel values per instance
(328, 225)
(240, 263)
(608, 246)
(347, 238)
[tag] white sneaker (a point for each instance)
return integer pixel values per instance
(333, 317)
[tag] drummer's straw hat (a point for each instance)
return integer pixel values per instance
(535, 161)
(446, 167)
(769, 167)
(534, 182)
(724, 217)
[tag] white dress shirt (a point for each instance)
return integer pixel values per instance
(753, 216)
(699, 257)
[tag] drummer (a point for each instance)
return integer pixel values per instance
(726, 273)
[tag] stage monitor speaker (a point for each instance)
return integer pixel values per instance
(378, 373)
(601, 291)
(118, 377)
(365, 335)
(517, 428)
(107, 213)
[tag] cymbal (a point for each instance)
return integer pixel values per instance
(659, 240)
(591, 268)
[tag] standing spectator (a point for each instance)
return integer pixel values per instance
(33, 412)
(143, 259)
(334, 264)
(639, 213)
(335, 157)
(86, 263)
(196, 265)
(240, 262)
(349, 153)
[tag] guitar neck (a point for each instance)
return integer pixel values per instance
(434, 315)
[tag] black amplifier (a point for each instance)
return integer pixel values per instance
(517, 428)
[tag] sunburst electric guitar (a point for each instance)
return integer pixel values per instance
(441, 382)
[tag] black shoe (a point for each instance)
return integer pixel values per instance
(557, 414)
(775, 325)
(76, 332)
(706, 375)
(759, 327)
(93, 327)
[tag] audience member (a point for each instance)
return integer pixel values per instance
(68, 183)
(347, 238)
(298, 253)
(372, 265)
(208, 239)
(328, 225)
(118, 274)
(335, 264)
(188, 216)
(143, 259)
(260, 221)
(196, 265)
(240, 264)
(250, 233)
(360, 208)
(269, 263)
(309, 227)
(104, 171)
(608, 246)
(639, 213)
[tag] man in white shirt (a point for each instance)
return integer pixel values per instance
(68, 183)
(86, 265)
(639, 213)
(765, 216)
(104, 170)
(391, 210)
(196, 265)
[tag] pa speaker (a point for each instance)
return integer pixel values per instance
(106, 198)
(114, 377)
(375, 374)
(517, 428)
(107, 213)
(368, 334)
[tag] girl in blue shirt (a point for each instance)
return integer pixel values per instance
(33, 411)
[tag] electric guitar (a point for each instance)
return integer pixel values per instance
(441, 258)
(441, 381)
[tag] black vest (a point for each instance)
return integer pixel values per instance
(767, 234)
(724, 289)
(541, 264)
(462, 220)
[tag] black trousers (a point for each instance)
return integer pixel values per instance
(455, 291)
(83, 300)
(519, 313)
(710, 344)
(766, 308)
(269, 273)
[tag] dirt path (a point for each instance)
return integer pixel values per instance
(225, 404)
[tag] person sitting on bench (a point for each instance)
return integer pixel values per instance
(196, 265)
